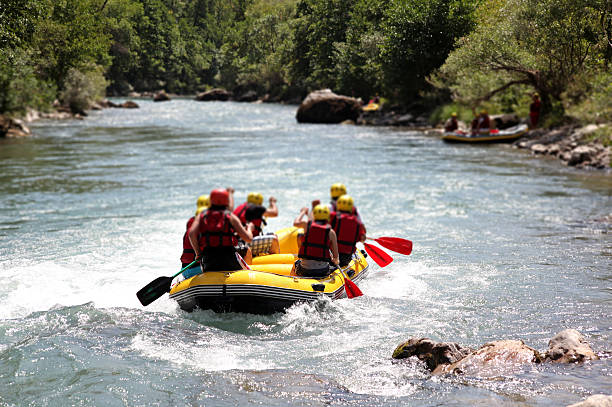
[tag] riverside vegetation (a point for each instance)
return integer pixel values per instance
(429, 57)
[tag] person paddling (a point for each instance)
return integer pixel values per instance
(349, 229)
(481, 123)
(451, 124)
(188, 255)
(317, 242)
(213, 234)
(253, 211)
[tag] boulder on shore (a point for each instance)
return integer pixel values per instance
(13, 128)
(324, 106)
(504, 121)
(216, 94)
(129, 104)
(161, 96)
(569, 144)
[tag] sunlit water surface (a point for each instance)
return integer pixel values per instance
(506, 246)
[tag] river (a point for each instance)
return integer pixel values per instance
(506, 246)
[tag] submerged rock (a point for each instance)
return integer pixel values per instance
(597, 400)
(569, 346)
(432, 353)
(494, 359)
(324, 106)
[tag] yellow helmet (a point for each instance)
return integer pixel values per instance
(255, 198)
(337, 189)
(321, 212)
(483, 111)
(200, 210)
(203, 201)
(454, 114)
(345, 203)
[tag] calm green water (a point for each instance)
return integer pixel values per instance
(506, 246)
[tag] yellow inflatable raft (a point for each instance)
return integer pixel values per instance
(269, 287)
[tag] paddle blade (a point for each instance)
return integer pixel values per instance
(402, 246)
(378, 255)
(351, 289)
(154, 290)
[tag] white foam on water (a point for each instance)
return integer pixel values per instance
(208, 353)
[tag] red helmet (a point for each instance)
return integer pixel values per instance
(219, 197)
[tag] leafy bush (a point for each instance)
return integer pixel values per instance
(20, 87)
(82, 88)
(590, 98)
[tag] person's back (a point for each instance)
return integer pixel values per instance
(318, 240)
(349, 229)
(253, 211)
(451, 124)
(213, 234)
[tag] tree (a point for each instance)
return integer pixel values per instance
(543, 44)
(418, 36)
(317, 29)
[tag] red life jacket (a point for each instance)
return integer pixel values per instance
(216, 229)
(241, 213)
(348, 230)
(188, 253)
(315, 245)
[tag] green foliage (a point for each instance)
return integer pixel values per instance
(71, 36)
(418, 36)
(493, 53)
(589, 98)
(18, 20)
(443, 112)
(358, 60)
(20, 87)
(82, 88)
(543, 44)
(319, 26)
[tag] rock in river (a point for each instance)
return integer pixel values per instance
(324, 106)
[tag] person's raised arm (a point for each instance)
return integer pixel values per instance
(333, 240)
(230, 191)
(272, 210)
(245, 234)
(299, 221)
(193, 235)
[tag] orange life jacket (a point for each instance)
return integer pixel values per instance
(348, 230)
(216, 229)
(315, 245)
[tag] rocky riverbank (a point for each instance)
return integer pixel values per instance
(577, 146)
